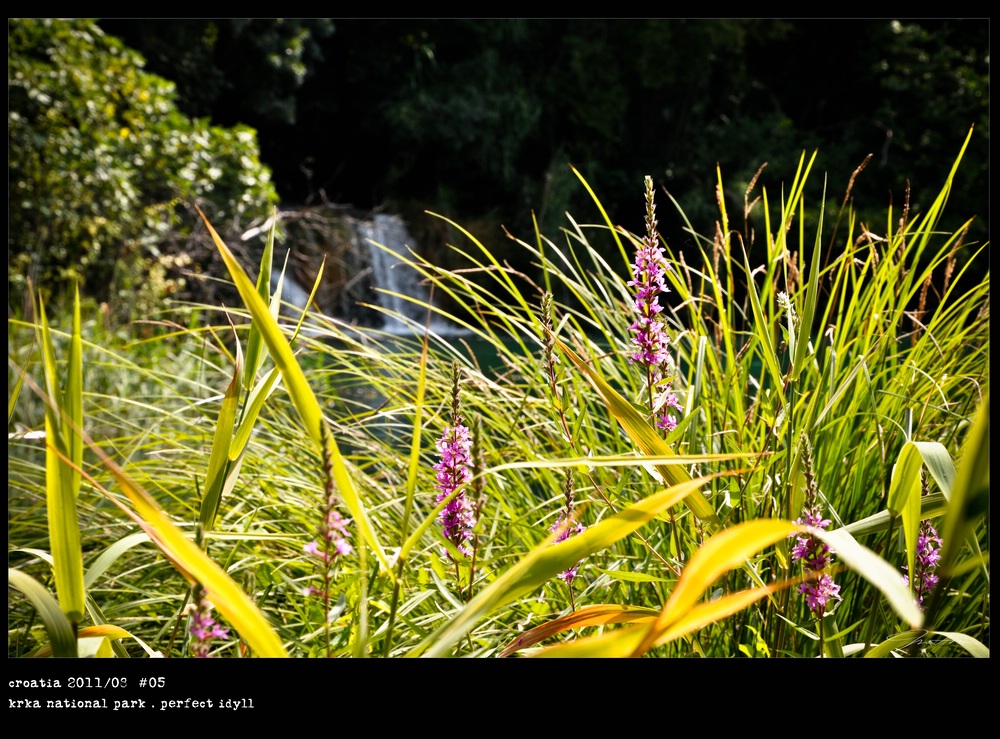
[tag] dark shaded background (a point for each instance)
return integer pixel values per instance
(481, 118)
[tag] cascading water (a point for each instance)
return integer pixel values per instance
(370, 271)
(394, 280)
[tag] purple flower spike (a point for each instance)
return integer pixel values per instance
(565, 527)
(926, 561)
(203, 628)
(652, 345)
(812, 552)
(819, 592)
(453, 471)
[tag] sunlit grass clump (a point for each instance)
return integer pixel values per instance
(745, 448)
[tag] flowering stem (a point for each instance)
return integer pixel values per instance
(550, 365)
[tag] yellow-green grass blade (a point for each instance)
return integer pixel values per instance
(218, 462)
(585, 464)
(600, 614)
(301, 394)
(931, 506)
(547, 560)
(110, 555)
(61, 633)
(414, 465)
(73, 398)
(195, 565)
(628, 642)
(60, 494)
(886, 578)
(799, 353)
(604, 214)
(255, 403)
(15, 393)
(761, 327)
(719, 554)
(970, 497)
(647, 439)
(255, 344)
(905, 488)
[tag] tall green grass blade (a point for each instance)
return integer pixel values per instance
(301, 394)
(970, 499)
(218, 462)
(799, 353)
(73, 398)
(62, 480)
(255, 343)
(15, 392)
(62, 635)
(761, 329)
(604, 214)
(111, 555)
(255, 404)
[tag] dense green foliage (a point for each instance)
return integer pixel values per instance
(803, 381)
(104, 169)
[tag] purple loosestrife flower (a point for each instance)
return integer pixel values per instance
(926, 561)
(457, 518)
(565, 527)
(332, 541)
(813, 553)
(203, 628)
(454, 470)
(335, 533)
(652, 345)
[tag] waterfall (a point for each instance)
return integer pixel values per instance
(393, 279)
(365, 274)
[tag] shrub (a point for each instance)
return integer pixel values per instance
(103, 168)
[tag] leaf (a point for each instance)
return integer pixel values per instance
(547, 560)
(970, 499)
(196, 566)
(61, 634)
(628, 642)
(301, 394)
(905, 487)
(255, 404)
(255, 353)
(905, 640)
(218, 462)
(875, 570)
(110, 555)
(930, 506)
(719, 554)
(593, 615)
(62, 480)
